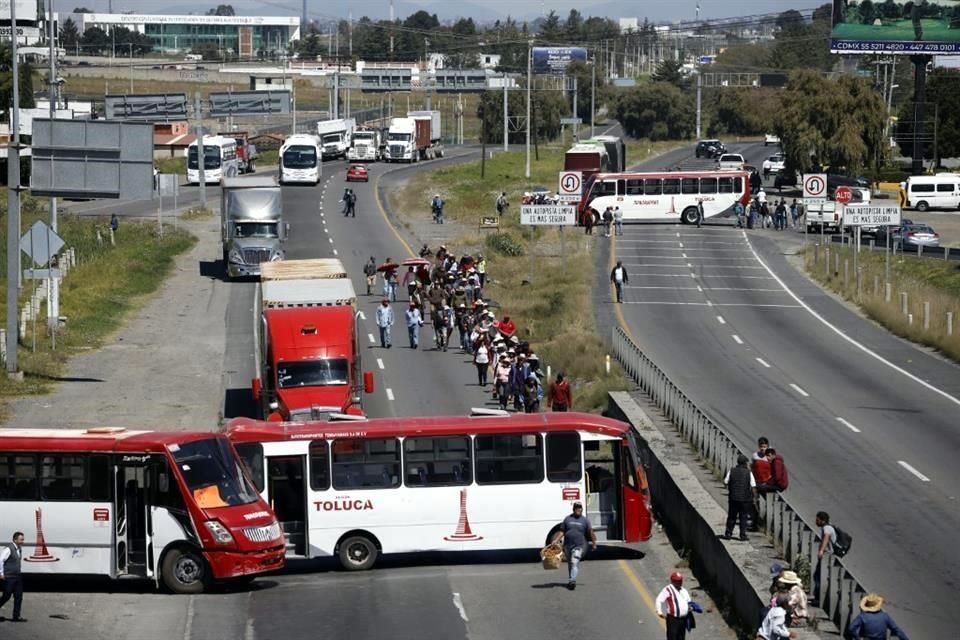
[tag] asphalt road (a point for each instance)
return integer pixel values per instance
(868, 423)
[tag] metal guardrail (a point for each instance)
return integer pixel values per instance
(951, 254)
(840, 591)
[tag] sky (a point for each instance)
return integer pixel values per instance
(484, 10)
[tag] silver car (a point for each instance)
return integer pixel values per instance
(917, 235)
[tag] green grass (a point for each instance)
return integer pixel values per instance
(548, 296)
(266, 160)
(97, 296)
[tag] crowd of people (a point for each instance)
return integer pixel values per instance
(446, 293)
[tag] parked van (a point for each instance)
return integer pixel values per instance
(941, 191)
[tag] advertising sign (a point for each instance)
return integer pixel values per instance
(864, 215)
(556, 59)
(26, 11)
(895, 27)
(548, 215)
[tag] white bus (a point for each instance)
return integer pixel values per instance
(220, 160)
(665, 196)
(301, 159)
(360, 488)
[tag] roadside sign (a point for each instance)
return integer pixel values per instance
(41, 243)
(489, 222)
(843, 195)
(571, 121)
(814, 188)
(860, 215)
(571, 183)
(548, 215)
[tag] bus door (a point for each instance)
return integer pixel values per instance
(601, 460)
(133, 478)
(287, 494)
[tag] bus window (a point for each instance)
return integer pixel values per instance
(563, 457)
(621, 187)
(634, 187)
(319, 465)
(690, 185)
(437, 462)
(509, 459)
(738, 185)
(725, 185)
(708, 185)
(62, 478)
(671, 186)
(651, 187)
(18, 477)
(607, 188)
(99, 478)
(366, 464)
(251, 453)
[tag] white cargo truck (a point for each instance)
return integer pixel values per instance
(335, 137)
(365, 146)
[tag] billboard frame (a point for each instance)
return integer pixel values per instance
(853, 37)
(555, 60)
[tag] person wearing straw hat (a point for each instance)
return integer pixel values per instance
(873, 623)
(789, 583)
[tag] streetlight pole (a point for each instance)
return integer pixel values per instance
(13, 203)
(593, 93)
(506, 114)
(529, 83)
(53, 306)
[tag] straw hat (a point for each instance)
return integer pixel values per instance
(789, 577)
(871, 603)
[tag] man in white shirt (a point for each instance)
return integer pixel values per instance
(385, 323)
(618, 276)
(673, 605)
(11, 556)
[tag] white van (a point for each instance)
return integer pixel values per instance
(193, 57)
(941, 191)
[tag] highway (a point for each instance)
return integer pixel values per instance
(867, 423)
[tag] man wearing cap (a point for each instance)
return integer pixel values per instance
(575, 529)
(873, 623)
(673, 605)
(385, 322)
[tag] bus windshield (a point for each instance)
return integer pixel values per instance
(256, 230)
(213, 473)
(300, 157)
(313, 373)
(211, 155)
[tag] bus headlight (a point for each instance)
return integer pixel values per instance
(221, 535)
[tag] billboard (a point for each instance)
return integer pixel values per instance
(556, 59)
(26, 11)
(896, 27)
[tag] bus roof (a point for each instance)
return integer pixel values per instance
(248, 430)
(669, 173)
(215, 141)
(104, 439)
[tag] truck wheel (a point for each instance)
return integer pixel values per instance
(184, 571)
(689, 216)
(358, 553)
(923, 206)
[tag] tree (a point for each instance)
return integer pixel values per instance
(547, 108)
(943, 92)
(746, 111)
(669, 71)
(550, 30)
(81, 10)
(25, 72)
(573, 29)
(584, 76)
(799, 45)
(69, 34)
(658, 111)
(222, 10)
(95, 40)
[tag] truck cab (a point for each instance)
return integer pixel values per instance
(252, 230)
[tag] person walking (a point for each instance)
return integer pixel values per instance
(385, 323)
(481, 358)
(699, 212)
(560, 397)
(11, 559)
(619, 277)
(370, 271)
(502, 203)
(436, 206)
(588, 223)
(617, 221)
(481, 267)
(574, 531)
(675, 607)
(742, 488)
(607, 221)
(738, 212)
(873, 623)
(414, 322)
(756, 182)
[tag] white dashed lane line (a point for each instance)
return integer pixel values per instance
(362, 315)
(331, 240)
(389, 394)
(763, 362)
(799, 390)
(737, 339)
(721, 320)
(847, 425)
(335, 252)
(380, 363)
(370, 336)
(916, 473)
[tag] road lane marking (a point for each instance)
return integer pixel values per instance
(844, 336)
(331, 240)
(847, 425)
(637, 286)
(737, 339)
(799, 390)
(335, 252)
(719, 304)
(370, 335)
(380, 363)
(637, 584)
(919, 475)
(681, 245)
(683, 255)
(458, 603)
(188, 623)
(389, 394)
(362, 315)
(721, 320)
(699, 288)
(763, 362)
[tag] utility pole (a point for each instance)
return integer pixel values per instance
(201, 156)
(130, 45)
(53, 302)
(506, 114)
(576, 128)
(13, 204)
(699, 97)
(391, 30)
(529, 86)
(593, 93)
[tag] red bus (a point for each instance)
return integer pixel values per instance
(364, 487)
(176, 508)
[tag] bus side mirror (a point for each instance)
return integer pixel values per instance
(255, 387)
(368, 381)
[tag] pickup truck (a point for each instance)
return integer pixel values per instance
(730, 162)
(773, 164)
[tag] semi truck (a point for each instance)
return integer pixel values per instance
(335, 136)
(365, 146)
(246, 151)
(414, 138)
(252, 230)
(588, 159)
(435, 150)
(308, 357)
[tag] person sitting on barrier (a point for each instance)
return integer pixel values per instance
(774, 625)
(789, 584)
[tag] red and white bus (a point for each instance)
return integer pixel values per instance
(665, 196)
(173, 507)
(364, 487)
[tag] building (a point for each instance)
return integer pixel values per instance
(243, 36)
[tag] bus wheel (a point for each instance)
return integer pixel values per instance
(358, 553)
(184, 571)
(689, 216)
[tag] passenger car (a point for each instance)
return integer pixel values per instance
(771, 139)
(730, 161)
(709, 148)
(357, 173)
(917, 235)
(773, 164)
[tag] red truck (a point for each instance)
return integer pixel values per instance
(308, 355)
(246, 151)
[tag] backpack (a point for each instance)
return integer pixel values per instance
(842, 543)
(784, 481)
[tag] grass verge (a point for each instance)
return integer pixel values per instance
(925, 282)
(542, 282)
(178, 166)
(96, 296)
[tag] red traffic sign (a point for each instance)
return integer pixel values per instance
(843, 195)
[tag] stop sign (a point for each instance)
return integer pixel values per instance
(843, 195)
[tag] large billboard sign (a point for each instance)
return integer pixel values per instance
(556, 59)
(896, 27)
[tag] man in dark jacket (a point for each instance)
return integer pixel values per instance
(873, 623)
(619, 277)
(742, 489)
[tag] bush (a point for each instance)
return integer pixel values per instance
(504, 244)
